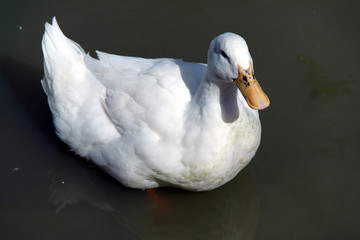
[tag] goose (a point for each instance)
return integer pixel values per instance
(156, 122)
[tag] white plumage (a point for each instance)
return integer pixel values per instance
(153, 122)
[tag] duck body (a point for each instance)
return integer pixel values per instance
(149, 122)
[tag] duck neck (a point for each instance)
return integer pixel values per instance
(217, 100)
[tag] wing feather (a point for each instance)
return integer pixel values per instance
(146, 96)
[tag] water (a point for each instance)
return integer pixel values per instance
(303, 182)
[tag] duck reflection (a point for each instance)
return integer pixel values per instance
(229, 212)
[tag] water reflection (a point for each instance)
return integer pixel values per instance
(229, 212)
(324, 88)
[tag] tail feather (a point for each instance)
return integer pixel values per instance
(74, 93)
(64, 68)
(54, 40)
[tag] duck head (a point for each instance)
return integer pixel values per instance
(229, 60)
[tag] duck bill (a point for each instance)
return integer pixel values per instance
(251, 90)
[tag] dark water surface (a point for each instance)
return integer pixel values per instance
(304, 182)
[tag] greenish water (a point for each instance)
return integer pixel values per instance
(304, 181)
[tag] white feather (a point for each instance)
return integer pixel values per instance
(151, 122)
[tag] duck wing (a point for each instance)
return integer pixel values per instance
(146, 97)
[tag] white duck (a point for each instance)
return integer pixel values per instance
(156, 122)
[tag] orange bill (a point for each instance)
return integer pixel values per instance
(250, 89)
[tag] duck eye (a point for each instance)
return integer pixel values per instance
(224, 54)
